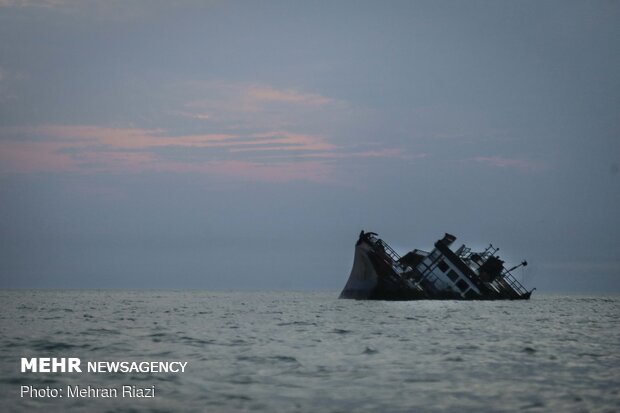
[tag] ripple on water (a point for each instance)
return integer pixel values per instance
(311, 352)
(370, 350)
(52, 346)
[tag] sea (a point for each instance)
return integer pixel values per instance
(312, 352)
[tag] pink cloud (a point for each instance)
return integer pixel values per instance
(253, 105)
(114, 160)
(76, 136)
(29, 157)
(123, 138)
(290, 142)
(89, 149)
(84, 149)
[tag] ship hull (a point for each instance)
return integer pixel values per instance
(372, 278)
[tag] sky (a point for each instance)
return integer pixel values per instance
(232, 145)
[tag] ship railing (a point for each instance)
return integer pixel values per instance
(488, 252)
(463, 252)
(513, 283)
(394, 256)
(389, 251)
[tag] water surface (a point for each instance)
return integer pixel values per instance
(310, 352)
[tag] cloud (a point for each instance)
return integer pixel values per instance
(269, 94)
(88, 149)
(345, 153)
(255, 106)
(502, 162)
(247, 131)
(29, 157)
(124, 138)
(86, 136)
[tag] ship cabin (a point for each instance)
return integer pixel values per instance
(463, 273)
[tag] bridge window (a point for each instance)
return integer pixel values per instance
(442, 266)
(462, 285)
(453, 275)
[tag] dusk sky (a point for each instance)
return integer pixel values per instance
(244, 145)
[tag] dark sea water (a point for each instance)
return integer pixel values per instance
(310, 352)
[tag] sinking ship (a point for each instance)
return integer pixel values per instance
(379, 273)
